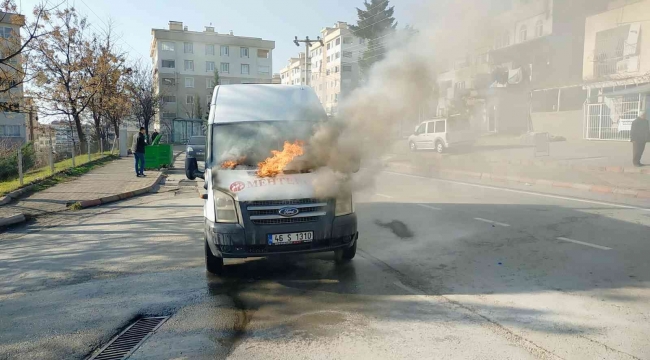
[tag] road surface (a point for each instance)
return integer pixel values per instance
(445, 270)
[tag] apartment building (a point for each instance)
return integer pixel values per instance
(12, 121)
(185, 62)
(334, 69)
(294, 72)
(616, 69)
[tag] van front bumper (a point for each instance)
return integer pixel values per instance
(231, 240)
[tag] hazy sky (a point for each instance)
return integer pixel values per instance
(278, 20)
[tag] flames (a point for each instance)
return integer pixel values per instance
(276, 164)
(232, 164)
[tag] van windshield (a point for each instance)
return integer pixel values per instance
(246, 144)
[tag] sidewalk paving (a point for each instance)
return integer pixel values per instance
(597, 166)
(112, 182)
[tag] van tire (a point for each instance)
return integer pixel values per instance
(440, 147)
(213, 264)
(345, 255)
(412, 146)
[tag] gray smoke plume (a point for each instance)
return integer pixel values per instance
(395, 89)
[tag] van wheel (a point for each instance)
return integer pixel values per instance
(344, 255)
(440, 147)
(412, 146)
(213, 264)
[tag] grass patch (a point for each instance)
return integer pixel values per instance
(63, 171)
(76, 206)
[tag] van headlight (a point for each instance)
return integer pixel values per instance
(344, 205)
(225, 209)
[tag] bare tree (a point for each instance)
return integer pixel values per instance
(15, 50)
(63, 85)
(146, 100)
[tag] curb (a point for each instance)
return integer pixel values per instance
(12, 220)
(599, 189)
(556, 164)
(113, 198)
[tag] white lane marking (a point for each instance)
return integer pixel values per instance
(428, 207)
(492, 222)
(524, 192)
(584, 243)
(384, 196)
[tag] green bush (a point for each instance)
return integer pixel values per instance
(9, 161)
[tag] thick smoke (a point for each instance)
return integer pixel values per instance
(396, 88)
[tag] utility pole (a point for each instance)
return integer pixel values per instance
(307, 57)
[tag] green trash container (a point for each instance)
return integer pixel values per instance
(158, 156)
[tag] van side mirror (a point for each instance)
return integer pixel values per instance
(192, 169)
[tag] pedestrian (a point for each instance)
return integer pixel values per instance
(140, 141)
(639, 135)
(154, 136)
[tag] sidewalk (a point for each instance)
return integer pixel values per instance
(109, 183)
(603, 167)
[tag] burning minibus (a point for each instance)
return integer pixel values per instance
(260, 200)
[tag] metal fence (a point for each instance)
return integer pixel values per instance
(612, 119)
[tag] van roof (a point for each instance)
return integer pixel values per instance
(265, 102)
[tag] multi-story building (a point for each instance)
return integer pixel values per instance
(294, 72)
(277, 79)
(12, 121)
(616, 69)
(335, 65)
(185, 63)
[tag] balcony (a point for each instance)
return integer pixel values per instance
(617, 66)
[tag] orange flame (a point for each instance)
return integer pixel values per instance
(275, 164)
(231, 164)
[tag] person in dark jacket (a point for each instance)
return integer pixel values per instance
(154, 136)
(639, 135)
(141, 142)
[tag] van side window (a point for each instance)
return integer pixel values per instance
(430, 128)
(420, 129)
(440, 126)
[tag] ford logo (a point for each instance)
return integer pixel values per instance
(288, 211)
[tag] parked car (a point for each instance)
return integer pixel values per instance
(196, 147)
(441, 134)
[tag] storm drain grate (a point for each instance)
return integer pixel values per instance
(124, 344)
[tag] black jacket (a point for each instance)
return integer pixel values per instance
(142, 142)
(640, 130)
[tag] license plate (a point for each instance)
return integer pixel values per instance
(290, 238)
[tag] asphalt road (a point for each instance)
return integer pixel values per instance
(445, 270)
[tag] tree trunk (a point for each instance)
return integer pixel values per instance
(80, 132)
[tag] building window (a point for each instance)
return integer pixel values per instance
(167, 46)
(225, 68)
(336, 69)
(209, 84)
(6, 32)
(346, 68)
(169, 81)
(169, 64)
(209, 66)
(338, 41)
(189, 65)
(264, 70)
(348, 40)
(189, 99)
(225, 50)
(329, 45)
(245, 69)
(168, 115)
(347, 54)
(209, 49)
(169, 99)
(189, 82)
(338, 55)
(506, 38)
(523, 33)
(539, 28)
(224, 81)
(188, 47)
(263, 54)
(243, 52)
(460, 85)
(9, 130)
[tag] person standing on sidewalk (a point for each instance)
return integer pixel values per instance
(140, 143)
(639, 135)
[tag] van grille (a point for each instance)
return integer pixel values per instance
(268, 212)
(285, 220)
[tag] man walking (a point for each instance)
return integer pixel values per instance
(639, 135)
(140, 142)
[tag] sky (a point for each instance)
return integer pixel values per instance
(277, 20)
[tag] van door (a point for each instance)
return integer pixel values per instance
(440, 132)
(420, 136)
(431, 137)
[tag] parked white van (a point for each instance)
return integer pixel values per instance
(441, 134)
(251, 216)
